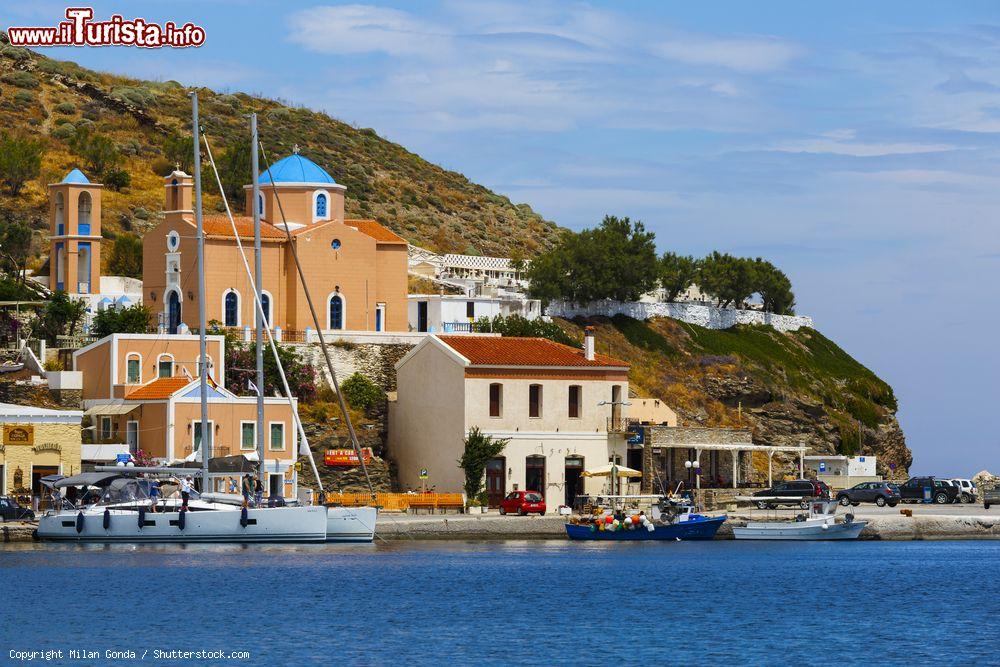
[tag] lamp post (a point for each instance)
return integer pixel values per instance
(696, 466)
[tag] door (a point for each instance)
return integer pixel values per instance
(37, 489)
(132, 436)
(496, 480)
(421, 316)
(534, 474)
(275, 485)
(173, 312)
(574, 479)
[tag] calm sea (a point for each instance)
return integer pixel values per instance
(539, 603)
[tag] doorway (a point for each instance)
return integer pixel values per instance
(421, 316)
(37, 490)
(275, 485)
(574, 478)
(534, 474)
(496, 480)
(173, 312)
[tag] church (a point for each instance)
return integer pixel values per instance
(356, 270)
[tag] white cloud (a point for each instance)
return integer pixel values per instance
(857, 148)
(354, 29)
(742, 54)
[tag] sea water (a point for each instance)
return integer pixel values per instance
(531, 602)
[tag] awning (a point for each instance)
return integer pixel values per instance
(113, 408)
(87, 479)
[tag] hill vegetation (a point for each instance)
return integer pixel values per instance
(129, 133)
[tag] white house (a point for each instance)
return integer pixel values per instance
(447, 313)
(561, 407)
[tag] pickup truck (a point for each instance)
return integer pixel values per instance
(991, 496)
(942, 492)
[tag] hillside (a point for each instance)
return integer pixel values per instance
(427, 205)
(788, 387)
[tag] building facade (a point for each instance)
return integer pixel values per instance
(557, 405)
(75, 234)
(37, 442)
(142, 391)
(443, 313)
(356, 269)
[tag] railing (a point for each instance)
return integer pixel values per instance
(457, 327)
(618, 424)
(399, 502)
(75, 342)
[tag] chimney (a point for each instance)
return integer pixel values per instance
(588, 343)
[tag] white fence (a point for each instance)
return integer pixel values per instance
(710, 317)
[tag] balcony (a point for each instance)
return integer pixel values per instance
(618, 424)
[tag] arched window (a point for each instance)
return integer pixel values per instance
(83, 213)
(174, 192)
(265, 305)
(260, 205)
(133, 368)
(231, 309)
(60, 214)
(321, 206)
(336, 312)
(173, 311)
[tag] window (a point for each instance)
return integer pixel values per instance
(380, 317)
(535, 400)
(277, 435)
(336, 312)
(321, 206)
(60, 215)
(335, 244)
(83, 213)
(470, 309)
(496, 399)
(232, 309)
(196, 437)
(165, 368)
(133, 370)
(265, 305)
(210, 366)
(106, 430)
(248, 435)
(173, 241)
(575, 393)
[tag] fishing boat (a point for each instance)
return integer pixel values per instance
(619, 519)
(820, 524)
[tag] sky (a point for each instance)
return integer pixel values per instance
(854, 144)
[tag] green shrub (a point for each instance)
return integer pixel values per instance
(134, 319)
(66, 108)
(139, 96)
(16, 53)
(64, 131)
(20, 79)
(639, 334)
(116, 179)
(361, 393)
(515, 325)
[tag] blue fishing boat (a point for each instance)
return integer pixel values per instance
(668, 520)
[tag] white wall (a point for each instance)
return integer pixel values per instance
(710, 317)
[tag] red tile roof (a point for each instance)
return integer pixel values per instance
(375, 230)
(512, 351)
(159, 389)
(218, 225)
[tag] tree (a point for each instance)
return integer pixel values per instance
(99, 152)
(479, 449)
(180, 152)
(241, 364)
(614, 261)
(20, 161)
(677, 273)
(15, 247)
(125, 258)
(728, 279)
(361, 393)
(774, 288)
(134, 319)
(59, 317)
(234, 170)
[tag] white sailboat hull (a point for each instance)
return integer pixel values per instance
(278, 524)
(350, 524)
(800, 530)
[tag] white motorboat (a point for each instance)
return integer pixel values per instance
(124, 514)
(820, 524)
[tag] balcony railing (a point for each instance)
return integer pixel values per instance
(618, 424)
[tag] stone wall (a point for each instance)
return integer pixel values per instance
(710, 317)
(376, 361)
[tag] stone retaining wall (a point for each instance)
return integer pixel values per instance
(710, 317)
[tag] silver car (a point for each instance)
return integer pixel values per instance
(967, 491)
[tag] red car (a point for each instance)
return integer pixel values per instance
(523, 502)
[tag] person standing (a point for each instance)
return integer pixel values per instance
(186, 487)
(154, 494)
(258, 488)
(247, 488)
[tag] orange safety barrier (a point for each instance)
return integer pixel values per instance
(399, 502)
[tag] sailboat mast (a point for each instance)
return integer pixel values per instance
(206, 437)
(257, 270)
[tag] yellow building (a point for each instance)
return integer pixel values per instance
(37, 442)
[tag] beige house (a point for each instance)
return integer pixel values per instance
(561, 408)
(356, 268)
(36, 442)
(651, 411)
(141, 390)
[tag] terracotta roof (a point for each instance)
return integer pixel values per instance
(511, 351)
(375, 230)
(159, 389)
(218, 225)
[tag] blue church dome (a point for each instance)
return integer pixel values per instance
(296, 169)
(76, 176)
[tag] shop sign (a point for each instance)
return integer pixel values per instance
(18, 434)
(636, 434)
(346, 457)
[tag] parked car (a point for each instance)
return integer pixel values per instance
(10, 510)
(523, 502)
(967, 490)
(880, 493)
(991, 496)
(797, 492)
(942, 491)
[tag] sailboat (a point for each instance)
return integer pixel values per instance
(121, 511)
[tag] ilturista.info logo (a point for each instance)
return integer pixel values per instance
(79, 29)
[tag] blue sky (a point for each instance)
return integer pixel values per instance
(855, 144)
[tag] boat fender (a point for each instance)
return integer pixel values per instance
(142, 517)
(849, 518)
(107, 519)
(79, 522)
(800, 517)
(243, 517)
(180, 519)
